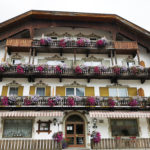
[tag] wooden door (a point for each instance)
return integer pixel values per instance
(75, 131)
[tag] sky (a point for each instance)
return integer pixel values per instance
(136, 11)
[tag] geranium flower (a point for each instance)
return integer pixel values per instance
(96, 137)
(40, 68)
(51, 102)
(97, 70)
(2, 69)
(70, 101)
(78, 70)
(58, 137)
(111, 102)
(58, 69)
(116, 70)
(4, 101)
(27, 101)
(91, 101)
(133, 103)
(20, 69)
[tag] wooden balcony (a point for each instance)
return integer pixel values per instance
(31, 73)
(137, 143)
(80, 103)
(28, 144)
(123, 47)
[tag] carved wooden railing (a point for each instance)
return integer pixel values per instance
(100, 102)
(29, 144)
(138, 143)
(51, 71)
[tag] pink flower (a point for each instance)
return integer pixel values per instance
(27, 101)
(39, 68)
(2, 69)
(5, 101)
(62, 43)
(58, 137)
(100, 43)
(70, 101)
(43, 42)
(97, 70)
(133, 103)
(58, 69)
(51, 102)
(81, 42)
(97, 137)
(78, 70)
(111, 102)
(91, 101)
(116, 70)
(19, 69)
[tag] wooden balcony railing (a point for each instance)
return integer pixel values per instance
(138, 143)
(51, 72)
(29, 144)
(78, 102)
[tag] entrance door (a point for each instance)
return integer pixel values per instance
(75, 131)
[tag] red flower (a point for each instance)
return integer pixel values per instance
(62, 43)
(20, 69)
(116, 70)
(27, 101)
(100, 43)
(39, 68)
(70, 101)
(97, 70)
(4, 101)
(97, 137)
(111, 102)
(78, 70)
(51, 102)
(91, 101)
(81, 42)
(58, 69)
(2, 69)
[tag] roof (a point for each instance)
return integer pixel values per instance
(73, 16)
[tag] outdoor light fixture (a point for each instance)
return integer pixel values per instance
(94, 123)
(54, 121)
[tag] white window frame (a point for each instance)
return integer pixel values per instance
(117, 88)
(9, 90)
(40, 87)
(74, 90)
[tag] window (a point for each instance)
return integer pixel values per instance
(54, 63)
(75, 91)
(17, 128)
(131, 63)
(120, 92)
(16, 61)
(40, 91)
(92, 63)
(44, 126)
(124, 127)
(13, 91)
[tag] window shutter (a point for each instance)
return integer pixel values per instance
(60, 91)
(32, 90)
(48, 88)
(141, 92)
(20, 91)
(142, 63)
(89, 91)
(4, 90)
(132, 91)
(104, 91)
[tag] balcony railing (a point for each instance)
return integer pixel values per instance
(28, 144)
(66, 102)
(89, 73)
(137, 143)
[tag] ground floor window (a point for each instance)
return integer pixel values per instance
(124, 127)
(16, 128)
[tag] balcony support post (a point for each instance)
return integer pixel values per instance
(115, 57)
(138, 56)
(74, 56)
(5, 55)
(112, 58)
(30, 55)
(33, 56)
(31, 30)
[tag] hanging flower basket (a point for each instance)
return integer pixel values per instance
(70, 101)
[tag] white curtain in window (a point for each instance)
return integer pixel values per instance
(79, 91)
(122, 92)
(113, 92)
(69, 91)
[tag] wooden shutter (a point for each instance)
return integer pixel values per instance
(132, 91)
(4, 90)
(60, 91)
(20, 91)
(104, 91)
(48, 89)
(89, 91)
(142, 63)
(141, 92)
(32, 90)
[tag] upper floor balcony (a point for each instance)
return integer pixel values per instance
(79, 72)
(82, 46)
(74, 102)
